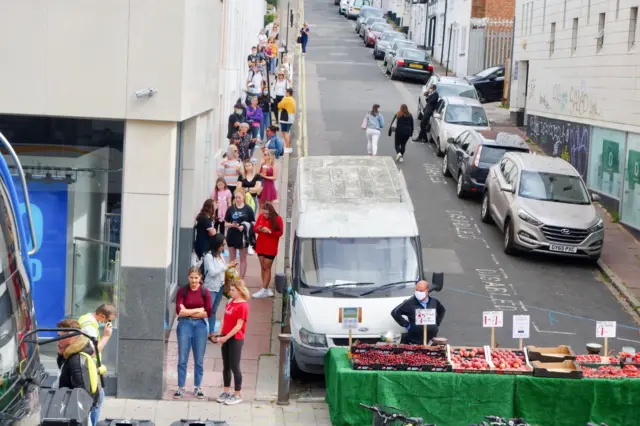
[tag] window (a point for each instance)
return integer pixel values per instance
(500, 72)
(466, 115)
(564, 14)
(574, 36)
(463, 41)
(553, 187)
(600, 35)
(633, 23)
(530, 17)
(552, 40)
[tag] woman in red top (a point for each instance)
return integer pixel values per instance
(193, 306)
(268, 230)
(233, 327)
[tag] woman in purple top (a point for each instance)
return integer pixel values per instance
(254, 117)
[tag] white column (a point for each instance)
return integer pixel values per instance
(146, 240)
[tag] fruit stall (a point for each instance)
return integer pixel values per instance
(454, 385)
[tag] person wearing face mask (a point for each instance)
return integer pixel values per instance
(264, 101)
(405, 315)
(235, 119)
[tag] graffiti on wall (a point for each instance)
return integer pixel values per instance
(564, 139)
(574, 100)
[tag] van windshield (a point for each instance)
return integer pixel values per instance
(366, 262)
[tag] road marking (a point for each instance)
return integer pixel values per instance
(495, 259)
(304, 110)
(627, 340)
(552, 319)
(550, 332)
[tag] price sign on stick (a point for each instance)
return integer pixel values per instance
(492, 319)
(425, 317)
(606, 329)
(521, 326)
(350, 318)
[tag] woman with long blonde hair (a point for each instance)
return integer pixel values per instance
(232, 329)
(269, 173)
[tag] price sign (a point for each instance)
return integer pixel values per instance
(605, 329)
(425, 316)
(350, 318)
(521, 326)
(492, 319)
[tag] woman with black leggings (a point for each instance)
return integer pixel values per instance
(403, 129)
(233, 327)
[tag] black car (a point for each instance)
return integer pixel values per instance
(469, 156)
(489, 83)
(410, 63)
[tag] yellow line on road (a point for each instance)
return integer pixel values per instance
(304, 109)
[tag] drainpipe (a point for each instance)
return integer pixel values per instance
(512, 65)
(444, 32)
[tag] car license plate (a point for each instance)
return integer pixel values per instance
(415, 66)
(355, 9)
(563, 249)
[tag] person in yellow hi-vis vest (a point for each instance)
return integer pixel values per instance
(78, 369)
(90, 324)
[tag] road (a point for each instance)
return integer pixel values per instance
(564, 298)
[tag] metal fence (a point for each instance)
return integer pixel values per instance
(489, 44)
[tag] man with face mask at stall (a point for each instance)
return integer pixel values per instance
(405, 315)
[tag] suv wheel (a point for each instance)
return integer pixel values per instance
(439, 150)
(485, 213)
(445, 167)
(459, 187)
(509, 245)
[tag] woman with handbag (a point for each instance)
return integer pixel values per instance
(372, 122)
(403, 129)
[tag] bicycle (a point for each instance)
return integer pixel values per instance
(596, 424)
(383, 415)
(501, 421)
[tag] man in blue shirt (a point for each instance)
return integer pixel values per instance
(405, 314)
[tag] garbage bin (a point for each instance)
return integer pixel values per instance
(65, 406)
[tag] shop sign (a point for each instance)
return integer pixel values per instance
(633, 168)
(610, 156)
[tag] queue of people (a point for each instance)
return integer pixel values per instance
(238, 220)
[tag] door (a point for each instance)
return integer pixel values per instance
(467, 153)
(455, 153)
(502, 198)
(497, 85)
(436, 123)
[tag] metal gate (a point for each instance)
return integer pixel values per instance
(489, 44)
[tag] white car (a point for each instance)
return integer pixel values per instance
(353, 10)
(453, 116)
(344, 6)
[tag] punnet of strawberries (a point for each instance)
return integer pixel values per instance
(505, 359)
(611, 372)
(406, 358)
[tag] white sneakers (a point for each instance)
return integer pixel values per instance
(399, 158)
(263, 293)
(251, 251)
(288, 150)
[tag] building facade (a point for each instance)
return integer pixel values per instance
(118, 112)
(576, 64)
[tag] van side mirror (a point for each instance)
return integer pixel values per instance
(437, 281)
(281, 282)
(451, 141)
(506, 187)
(595, 197)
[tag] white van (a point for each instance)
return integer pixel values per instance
(356, 244)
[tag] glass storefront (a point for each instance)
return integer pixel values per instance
(631, 193)
(606, 159)
(74, 177)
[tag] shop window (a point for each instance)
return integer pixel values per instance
(606, 158)
(74, 178)
(631, 192)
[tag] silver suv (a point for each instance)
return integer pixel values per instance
(542, 205)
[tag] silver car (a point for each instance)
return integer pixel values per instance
(368, 23)
(384, 42)
(542, 205)
(397, 45)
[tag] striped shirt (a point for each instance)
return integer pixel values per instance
(230, 171)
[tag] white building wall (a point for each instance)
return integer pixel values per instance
(418, 26)
(585, 85)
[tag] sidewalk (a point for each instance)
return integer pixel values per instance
(164, 413)
(620, 259)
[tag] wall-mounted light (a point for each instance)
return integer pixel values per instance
(146, 93)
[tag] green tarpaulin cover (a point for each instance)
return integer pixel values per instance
(451, 399)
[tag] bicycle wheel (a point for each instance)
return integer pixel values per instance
(379, 419)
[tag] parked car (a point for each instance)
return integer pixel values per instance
(541, 204)
(353, 10)
(344, 5)
(368, 23)
(469, 156)
(385, 41)
(368, 12)
(371, 34)
(410, 63)
(337, 3)
(448, 86)
(397, 44)
(453, 116)
(489, 83)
